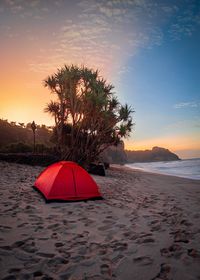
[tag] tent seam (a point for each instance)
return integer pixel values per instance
(55, 179)
(74, 182)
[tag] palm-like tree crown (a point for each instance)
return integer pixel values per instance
(87, 103)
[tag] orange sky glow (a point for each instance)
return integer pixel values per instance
(128, 43)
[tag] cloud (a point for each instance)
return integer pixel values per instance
(104, 34)
(186, 21)
(193, 104)
(27, 9)
(101, 34)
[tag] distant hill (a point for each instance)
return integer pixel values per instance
(117, 154)
(156, 154)
(19, 138)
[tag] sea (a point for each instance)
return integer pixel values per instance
(187, 168)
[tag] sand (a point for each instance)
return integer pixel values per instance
(146, 228)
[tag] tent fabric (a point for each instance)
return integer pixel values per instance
(66, 180)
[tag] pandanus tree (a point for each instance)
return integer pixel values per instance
(88, 116)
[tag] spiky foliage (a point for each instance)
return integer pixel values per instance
(88, 115)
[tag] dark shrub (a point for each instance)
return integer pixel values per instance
(18, 148)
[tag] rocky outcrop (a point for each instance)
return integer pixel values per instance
(114, 154)
(156, 154)
(117, 154)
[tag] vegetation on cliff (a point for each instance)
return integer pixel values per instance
(156, 154)
(18, 137)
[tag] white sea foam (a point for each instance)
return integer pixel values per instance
(189, 168)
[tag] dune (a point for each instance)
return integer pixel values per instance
(146, 228)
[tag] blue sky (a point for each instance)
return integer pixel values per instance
(163, 85)
(149, 49)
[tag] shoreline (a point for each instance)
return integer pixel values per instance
(146, 228)
(130, 169)
(167, 171)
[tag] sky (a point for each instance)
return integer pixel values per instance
(148, 49)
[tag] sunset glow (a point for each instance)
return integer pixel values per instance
(179, 145)
(149, 50)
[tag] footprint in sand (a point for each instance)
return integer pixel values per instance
(145, 240)
(59, 244)
(5, 228)
(103, 251)
(22, 225)
(57, 261)
(53, 226)
(9, 277)
(108, 222)
(121, 226)
(94, 247)
(82, 250)
(37, 273)
(119, 246)
(45, 255)
(14, 270)
(104, 227)
(164, 272)
(65, 254)
(117, 259)
(181, 237)
(194, 253)
(7, 248)
(29, 248)
(111, 217)
(174, 250)
(155, 225)
(186, 223)
(143, 260)
(77, 259)
(54, 235)
(105, 269)
(196, 215)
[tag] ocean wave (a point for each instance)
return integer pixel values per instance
(189, 168)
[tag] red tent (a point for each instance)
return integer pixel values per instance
(66, 180)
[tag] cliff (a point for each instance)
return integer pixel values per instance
(115, 154)
(156, 154)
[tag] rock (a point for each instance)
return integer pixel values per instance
(97, 169)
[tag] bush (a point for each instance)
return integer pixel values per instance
(18, 148)
(42, 149)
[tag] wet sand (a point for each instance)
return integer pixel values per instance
(146, 228)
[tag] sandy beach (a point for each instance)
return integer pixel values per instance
(146, 228)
